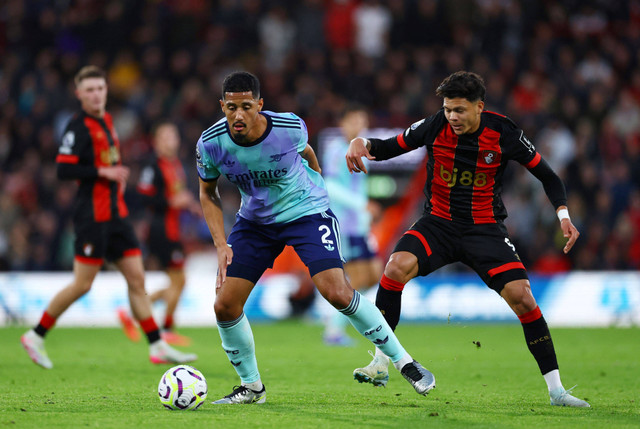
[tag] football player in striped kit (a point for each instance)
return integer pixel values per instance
(468, 149)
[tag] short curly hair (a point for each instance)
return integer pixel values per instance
(462, 84)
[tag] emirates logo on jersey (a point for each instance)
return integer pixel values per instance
(489, 156)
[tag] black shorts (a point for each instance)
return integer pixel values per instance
(170, 253)
(97, 241)
(486, 248)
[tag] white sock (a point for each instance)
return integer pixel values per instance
(403, 361)
(553, 379)
(256, 386)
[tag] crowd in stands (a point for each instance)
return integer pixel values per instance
(566, 71)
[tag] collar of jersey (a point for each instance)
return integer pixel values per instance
(259, 139)
(94, 117)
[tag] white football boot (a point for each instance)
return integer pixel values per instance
(376, 373)
(564, 398)
(161, 352)
(34, 345)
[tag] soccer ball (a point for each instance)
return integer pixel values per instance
(182, 388)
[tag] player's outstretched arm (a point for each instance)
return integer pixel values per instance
(568, 229)
(212, 211)
(358, 148)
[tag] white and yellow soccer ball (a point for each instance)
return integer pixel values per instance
(182, 388)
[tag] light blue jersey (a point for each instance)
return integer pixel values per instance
(276, 184)
(347, 192)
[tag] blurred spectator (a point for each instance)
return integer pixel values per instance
(372, 24)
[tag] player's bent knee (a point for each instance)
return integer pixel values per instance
(401, 268)
(82, 287)
(136, 284)
(518, 295)
(338, 297)
(226, 311)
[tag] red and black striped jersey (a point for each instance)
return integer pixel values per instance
(161, 179)
(89, 143)
(464, 172)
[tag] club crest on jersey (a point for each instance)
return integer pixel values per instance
(489, 156)
(277, 157)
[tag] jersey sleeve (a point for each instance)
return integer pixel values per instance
(519, 146)
(72, 160)
(418, 134)
(204, 163)
(304, 135)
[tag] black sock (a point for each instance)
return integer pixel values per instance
(389, 303)
(540, 345)
(153, 336)
(40, 330)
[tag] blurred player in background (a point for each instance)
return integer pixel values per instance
(162, 185)
(284, 201)
(349, 201)
(468, 150)
(90, 154)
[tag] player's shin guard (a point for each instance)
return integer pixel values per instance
(237, 341)
(538, 337)
(368, 320)
(388, 300)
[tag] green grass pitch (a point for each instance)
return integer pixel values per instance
(485, 379)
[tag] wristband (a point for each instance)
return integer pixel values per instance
(563, 214)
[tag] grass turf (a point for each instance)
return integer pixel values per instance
(485, 379)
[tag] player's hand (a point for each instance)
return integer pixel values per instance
(195, 208)
(225, 255)
(570, 232)
(115, 173)
(358, 149)
(181, 200)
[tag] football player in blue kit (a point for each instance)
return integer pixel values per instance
(284, 202)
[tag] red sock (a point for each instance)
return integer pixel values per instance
(46, 322)
(531, 316)
(148, 325)
(168, 322)
(390, 284)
